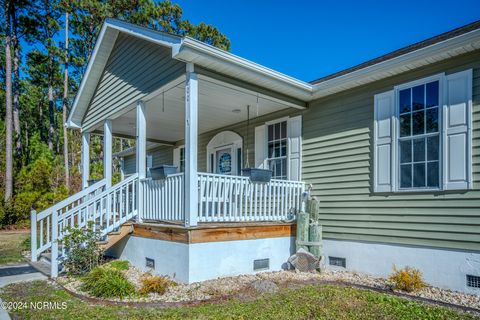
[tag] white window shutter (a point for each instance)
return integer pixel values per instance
(176, 158)
(294, 167)
(149, 161)
(260, 147)
(457, 131)
(384, 112)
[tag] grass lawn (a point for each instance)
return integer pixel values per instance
(12, 244)
(309, 302)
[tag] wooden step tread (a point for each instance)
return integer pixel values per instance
(115, 236)
(42, 267)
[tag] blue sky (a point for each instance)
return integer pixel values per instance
(311, 39)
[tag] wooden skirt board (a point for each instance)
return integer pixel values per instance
(215, 232)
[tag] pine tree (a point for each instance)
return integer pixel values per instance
(8, 104)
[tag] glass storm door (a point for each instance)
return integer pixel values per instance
(224, 160)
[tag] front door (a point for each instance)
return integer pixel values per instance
(224, 153)
(225, 160)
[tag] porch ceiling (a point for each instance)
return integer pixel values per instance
(165, 111)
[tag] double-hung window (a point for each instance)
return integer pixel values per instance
(423, 135)
(277, 149)
(419, 136)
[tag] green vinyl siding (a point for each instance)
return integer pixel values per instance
(241, 129)
(160, 155)
(134, 69)
(129, 165)
(337, 160)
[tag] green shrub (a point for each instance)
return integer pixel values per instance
(107, 282)
(84, 254)
(155, 284)
(407, 279)
(119, 264)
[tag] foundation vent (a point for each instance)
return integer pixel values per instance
(150, 263)
(473, 281)
(338, 262)
(261, 264)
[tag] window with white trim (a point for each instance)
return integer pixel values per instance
(423, 135)
(419, 136)
(277, 149)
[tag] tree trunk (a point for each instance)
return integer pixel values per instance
(16, 85)
(8, 106)
(41, 120)
(51, 115)
(51, 102)
(64, 107)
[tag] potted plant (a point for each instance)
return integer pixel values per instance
(162, 172)
(257, 175)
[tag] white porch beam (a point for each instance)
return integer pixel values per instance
(141, 154)
(141, 141)
(191, 137)
(85, 158)
(107, 152)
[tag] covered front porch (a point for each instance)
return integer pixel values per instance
(208, 113)
(198, 121)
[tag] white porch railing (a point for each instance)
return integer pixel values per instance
(221, 198)
(106, 208)
(163, 199)
(225, 198)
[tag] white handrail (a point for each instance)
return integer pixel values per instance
(106, 208)
(65, 202)
(100, 195)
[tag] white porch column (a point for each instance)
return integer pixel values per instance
(107, 152)
(141, 147)
(85, 159)
(191, 135)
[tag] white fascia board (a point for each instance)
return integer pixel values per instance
(470, 39)
(197, 47)
(164, 39)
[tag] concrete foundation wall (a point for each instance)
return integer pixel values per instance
(203, 261)
(440, 267)
(171, 258)
(229, 258)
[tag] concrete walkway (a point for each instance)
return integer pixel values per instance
(17, 273)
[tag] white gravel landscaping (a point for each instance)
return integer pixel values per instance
(227, 286)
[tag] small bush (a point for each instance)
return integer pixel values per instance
(107, 282)
(84, 254)
(155, 284)
(407, 279)
(121, 265)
